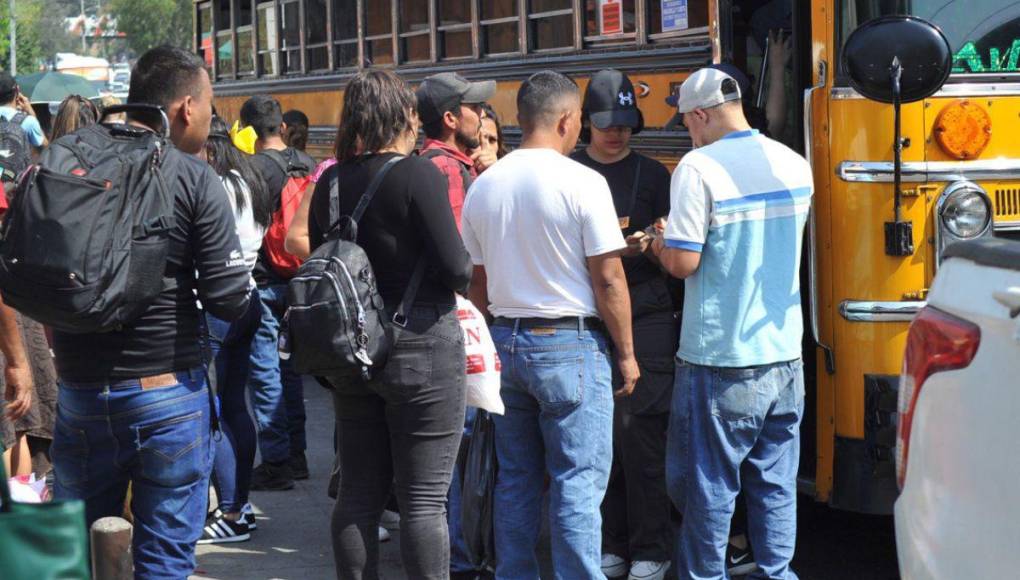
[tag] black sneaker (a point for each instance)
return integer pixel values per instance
(220, 530)
(272, 477)
(739, 561)
(299, 466)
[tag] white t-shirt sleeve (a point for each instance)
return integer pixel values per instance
(690, 210)
(467, 232)
(600, 226)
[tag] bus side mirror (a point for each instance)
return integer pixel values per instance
(897, 59)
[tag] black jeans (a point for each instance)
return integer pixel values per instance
(636, 509)
(401, 431)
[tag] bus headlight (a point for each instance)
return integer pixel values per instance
(964, 212)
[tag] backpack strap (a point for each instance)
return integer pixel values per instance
(277, 158)
(18, 118)
(465, 175)
(366, 197)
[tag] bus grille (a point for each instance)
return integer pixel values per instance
(1007, 203)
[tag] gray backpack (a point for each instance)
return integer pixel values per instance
(15, 154)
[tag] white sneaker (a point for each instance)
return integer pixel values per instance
(645, 570)
(390, 520)
(384, 535)
(613, 566)
(248, 513)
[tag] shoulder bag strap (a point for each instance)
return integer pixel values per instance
(366, 197)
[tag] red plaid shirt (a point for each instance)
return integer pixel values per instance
(449, 165)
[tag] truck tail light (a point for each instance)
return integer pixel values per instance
(937, 342)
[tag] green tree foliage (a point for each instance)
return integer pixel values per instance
(30, 52)
(149, 23)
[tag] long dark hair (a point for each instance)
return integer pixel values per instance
(377, 109)
(74, 113)
(490, 113)
(231, 164)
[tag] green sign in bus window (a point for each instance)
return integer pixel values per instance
(969, 59)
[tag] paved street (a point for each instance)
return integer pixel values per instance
(292, 541)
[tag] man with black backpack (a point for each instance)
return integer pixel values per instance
(110, 241)
(19, 130)
(277, 392)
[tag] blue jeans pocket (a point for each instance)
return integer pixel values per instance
(557, 380)
(173, 452)
(70, 453)
(735, 394)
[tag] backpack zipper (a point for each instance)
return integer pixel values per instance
(362, 351)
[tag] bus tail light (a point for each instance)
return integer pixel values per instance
(937, 342)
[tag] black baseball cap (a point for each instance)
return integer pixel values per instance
(610, 101)
(442, 92)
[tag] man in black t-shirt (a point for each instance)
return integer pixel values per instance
(134, 406)
(636, 534)
(277, 392)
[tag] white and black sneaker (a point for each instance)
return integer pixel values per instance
(739, 561)
(220, 530)
(248, 514)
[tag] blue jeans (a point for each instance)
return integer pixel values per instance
(277, 394)
(733, 429)
(230, 346)
(557, 388)
(459, 559)
(108, 434)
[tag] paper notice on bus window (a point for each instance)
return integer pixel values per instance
(611, 17)
(674, 15)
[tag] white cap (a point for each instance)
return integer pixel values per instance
(705, 89)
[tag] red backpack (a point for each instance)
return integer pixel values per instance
(283, 262)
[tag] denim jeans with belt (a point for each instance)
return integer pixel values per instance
(733, 429)
(277, 393)
(230, 346)
(157, 437)
(401, 431)
(557, 388)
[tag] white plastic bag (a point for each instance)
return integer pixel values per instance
(482, 360)
(28, 489)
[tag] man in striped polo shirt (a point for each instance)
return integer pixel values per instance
(739, 203)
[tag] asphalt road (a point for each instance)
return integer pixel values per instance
(292, 541)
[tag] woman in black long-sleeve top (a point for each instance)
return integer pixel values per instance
(404, 425)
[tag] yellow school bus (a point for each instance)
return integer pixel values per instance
(961, 160)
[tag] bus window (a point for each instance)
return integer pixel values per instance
(984, 34)
(499, 26)
(378, 33)
(266, 39)
(205, 35)
(224, 45)
(551, 24)
(316, 43)
(245, 54)
(609, 22)
(673, 17)
(454, 29)
(345, 33)
(290, 41)
(415, 42)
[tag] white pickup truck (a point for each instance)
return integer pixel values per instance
(958, 450)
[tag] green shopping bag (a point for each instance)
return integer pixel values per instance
(45, 541)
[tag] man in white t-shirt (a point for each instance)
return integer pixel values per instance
(543, 235)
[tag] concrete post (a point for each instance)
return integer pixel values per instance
(111, 549)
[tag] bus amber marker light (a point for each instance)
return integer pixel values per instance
(937, 342)
(963, 129)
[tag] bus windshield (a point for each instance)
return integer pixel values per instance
(984, 34)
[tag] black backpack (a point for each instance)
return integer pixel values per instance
(84, 244)
(15, 154)
(335, 321)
